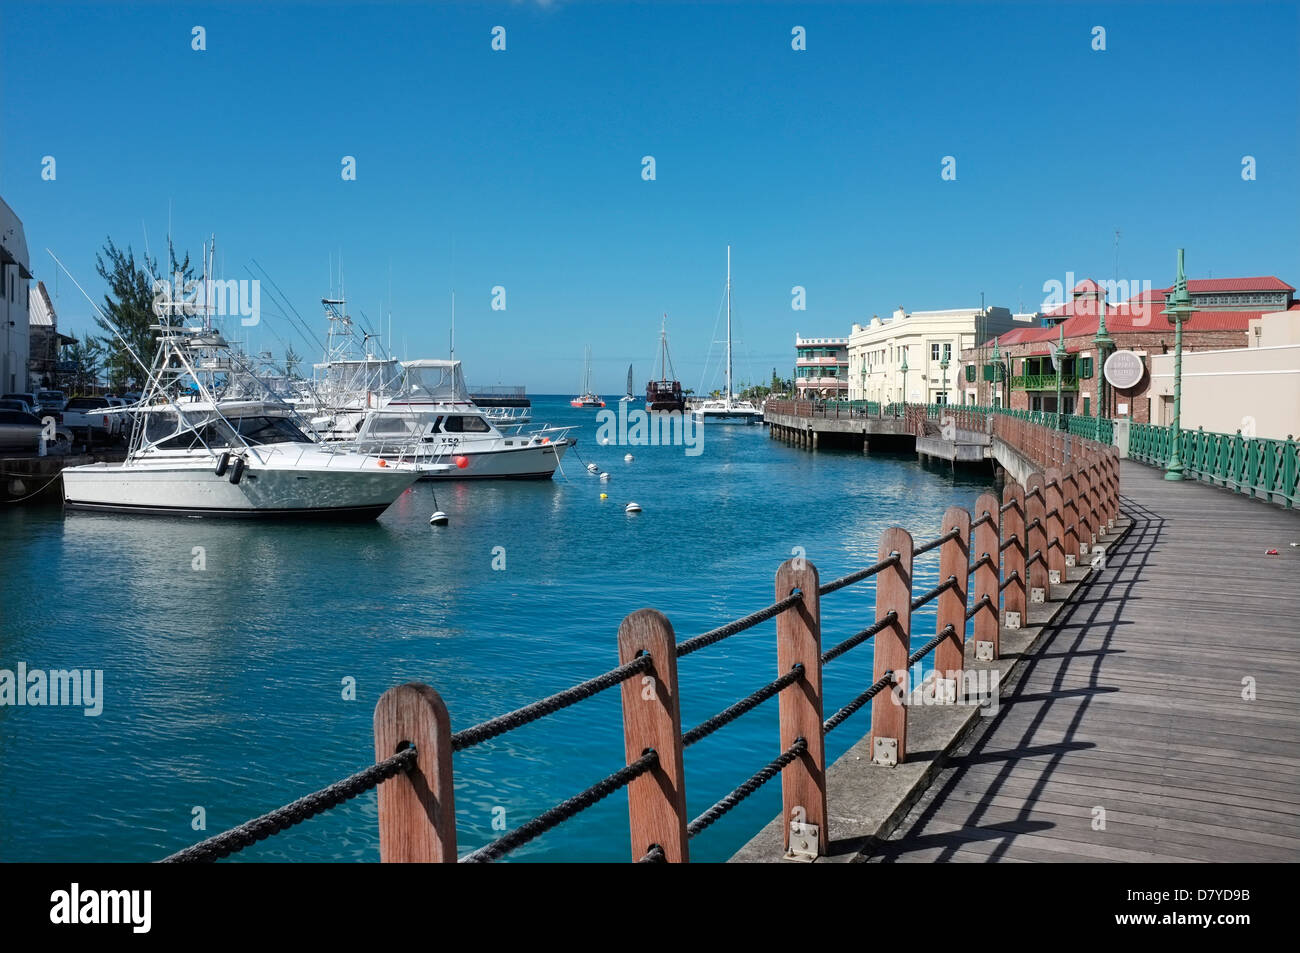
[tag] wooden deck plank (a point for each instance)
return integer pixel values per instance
(1134, 703)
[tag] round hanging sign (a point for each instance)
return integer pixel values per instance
(1123, 370)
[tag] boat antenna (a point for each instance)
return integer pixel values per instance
(453, 324)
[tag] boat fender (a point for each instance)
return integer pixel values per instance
(237, 470)
(223, 464)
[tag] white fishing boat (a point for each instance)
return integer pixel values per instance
(728, 408)
(195, 452)
(433, 423)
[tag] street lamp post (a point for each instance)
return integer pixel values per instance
(996, 385)
(1060, 370)
(943, 379)
(904, 370)
(1178, 308)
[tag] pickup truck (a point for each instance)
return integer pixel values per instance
(86, 415)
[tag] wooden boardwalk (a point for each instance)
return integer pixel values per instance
(1133, 705)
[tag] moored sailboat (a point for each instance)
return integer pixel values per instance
(588, 399)
(728, 408)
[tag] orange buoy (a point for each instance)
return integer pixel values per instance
(462, 462)
(546, 440)
(383, 462)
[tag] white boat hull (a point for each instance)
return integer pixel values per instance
(192, 488)
(537, 461)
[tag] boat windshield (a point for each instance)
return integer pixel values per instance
(216, 432)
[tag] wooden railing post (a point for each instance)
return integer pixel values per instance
(1087, 533)
(417, 809)
(1036, 538)
(1055, 504)
(1015, 595)
(892, 645)
(799, 642)
(954, 563)
(1112, 509)
(1070, 499)
(656, 800)
(986, 578)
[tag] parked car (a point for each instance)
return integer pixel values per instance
(13, 403)
(20, 431)
(54, 400)
(27, 397)
(86, 414)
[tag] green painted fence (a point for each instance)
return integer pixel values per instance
(1261, 468)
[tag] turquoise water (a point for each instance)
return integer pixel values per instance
(223, 687)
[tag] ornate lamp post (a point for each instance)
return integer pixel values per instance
(1178, 308)
(1103, 340)
(943, 379)
(1060, 371)
(904, 370)
(997, 362)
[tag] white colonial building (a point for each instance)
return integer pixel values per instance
(923, 341)
(14, 275)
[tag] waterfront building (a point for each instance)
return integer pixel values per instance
(14, 275)
(1016, 369)
(927, 343)
(821, 367)
(45, 342)
(1254, 389)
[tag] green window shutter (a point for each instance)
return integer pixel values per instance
(1085, 367)
(970, 372)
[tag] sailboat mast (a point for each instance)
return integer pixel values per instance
(728, 324)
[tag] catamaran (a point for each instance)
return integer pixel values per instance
(728, 408)
(588, 399)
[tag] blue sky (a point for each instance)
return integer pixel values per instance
(523, 168)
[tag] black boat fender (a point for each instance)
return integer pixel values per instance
(237, 470)
(223, 464)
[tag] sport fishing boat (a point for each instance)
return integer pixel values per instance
(195, 453)
(588, 399)
(433, 424)
(665, 393)
(727, 409)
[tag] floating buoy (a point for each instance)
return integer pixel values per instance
(383, 462)
(632, 508)
(627, 458)
(604, 496)
(604, 478)
(604, 441)
(592, 468)
(438, 519)
(462, 462)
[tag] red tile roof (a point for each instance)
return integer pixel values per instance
(1125, 318)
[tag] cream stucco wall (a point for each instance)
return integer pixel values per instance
(1240, 388)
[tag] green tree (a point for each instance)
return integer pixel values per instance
(129, 312)
(85, 356)
(292, 359)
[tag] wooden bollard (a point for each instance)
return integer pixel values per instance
(1070, 500)
(1036, 538)
(1085, 507)
(1112, 511)
(985, 582)
(893, 644)
(417, 810)
(1055, 503)
(656, 801)
(799, 641)
(954, 562)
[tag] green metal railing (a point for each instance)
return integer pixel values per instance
(1043, 382)
(1262, 468)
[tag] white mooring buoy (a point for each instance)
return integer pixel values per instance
(439, 518)
(632, 508)
(604, 478)
(592, 468)
(627, 458)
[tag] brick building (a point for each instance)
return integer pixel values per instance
(1016, 369)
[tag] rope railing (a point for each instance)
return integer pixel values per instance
(1026, 542)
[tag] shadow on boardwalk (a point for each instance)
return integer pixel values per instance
(1127, 736)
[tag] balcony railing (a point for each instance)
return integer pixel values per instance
(1044, 382)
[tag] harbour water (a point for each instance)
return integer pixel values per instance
(224, 685)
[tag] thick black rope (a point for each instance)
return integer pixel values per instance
(936, 542)
(986, 559)
(761, 777)
(1012, 577)
(549, 705)
(929, 647)
(1036, 557)
(250, 832)
(933, 593)
(986, 518)
(1008, 504)
(740, 625)
(1008, 541)
(749, 702)
(851, 578)
(974, 610)
(835, 720)
(655, 855)
(855, 640)
(563, 811)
